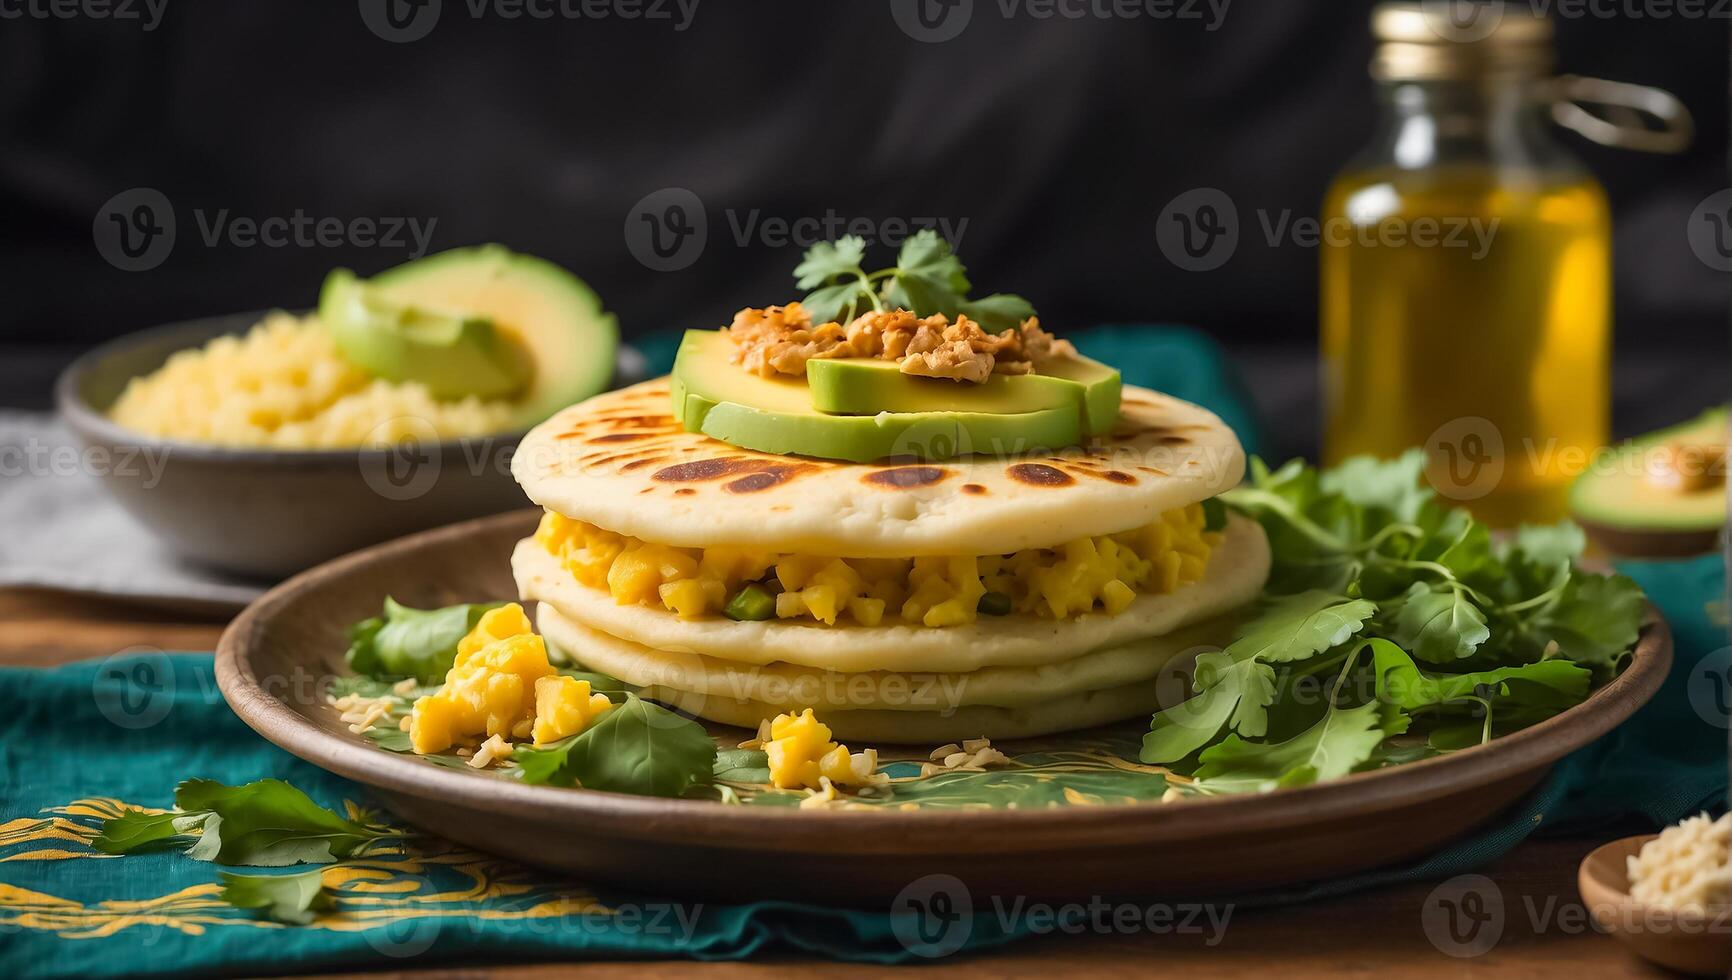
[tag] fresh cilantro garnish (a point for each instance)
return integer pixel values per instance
(638, 747)
(927, 278)
(292, 898)
(1371, 578)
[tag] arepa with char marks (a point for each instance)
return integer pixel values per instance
(621, 461)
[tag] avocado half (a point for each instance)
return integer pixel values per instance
(483, 320)
(1629, 513)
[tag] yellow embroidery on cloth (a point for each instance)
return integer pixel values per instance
(420, 878)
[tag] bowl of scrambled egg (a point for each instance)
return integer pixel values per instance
(290, 438)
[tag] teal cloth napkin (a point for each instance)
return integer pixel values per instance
(77, 742)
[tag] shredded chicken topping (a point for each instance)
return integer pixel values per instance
(781, 339)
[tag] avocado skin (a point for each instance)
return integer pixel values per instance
(454, 355)
(1628, 516)
(550, 314)
(856, 386)
(713, 395)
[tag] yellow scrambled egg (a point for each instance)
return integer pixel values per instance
(1085, 575)
(801, 753)
(285, 384)
(502, 684)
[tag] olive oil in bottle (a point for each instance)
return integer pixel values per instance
(1466, 284)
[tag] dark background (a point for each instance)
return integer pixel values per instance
(1058, 141)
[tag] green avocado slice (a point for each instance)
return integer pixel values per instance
(860, 386)
(537, 311)
(1633, 514)
(455, 355)
(713, 395)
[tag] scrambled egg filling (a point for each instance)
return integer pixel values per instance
(802, 754)
(285, 384)
(1081, 576)
(503, 685)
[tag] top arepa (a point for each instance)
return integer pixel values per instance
(622, 462)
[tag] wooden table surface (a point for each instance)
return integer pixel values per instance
(1381, 933)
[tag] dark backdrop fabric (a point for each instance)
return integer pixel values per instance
(1050, 145)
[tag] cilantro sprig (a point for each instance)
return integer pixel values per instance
(927, 278)
(1394, 627)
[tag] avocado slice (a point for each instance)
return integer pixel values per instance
(862, 386)
(713, 395)
(1659, 495)
(454, 354)
(535, 309)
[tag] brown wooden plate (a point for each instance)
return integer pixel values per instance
(276, 659)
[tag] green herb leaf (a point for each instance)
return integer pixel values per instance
(742, 766)
(1300, 626)
(292, 898)
(840, 303)
(1551, 543)
(998, 312)
(828, 260)
(267, 823)
(1595, 621)
(1401, 682)
(418, 643)
(137, 831)
(1344, 739)
(1237, 694)
(1396, 486)
(1439, 624)
(1214, 514)
(638, 747)
(926, 255)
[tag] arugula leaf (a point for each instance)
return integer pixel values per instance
(1396, 486)
(1344, 739)
(290, 898)
(418, 643)
(1401, 682)
(1364, 556)
(136, 830)
(1438, 623)
(1595, 621)
(1299, 626)
(1551, 543)
(638, 747)
(1236, 695)
(267, 823)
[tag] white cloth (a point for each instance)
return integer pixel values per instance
(59, 529)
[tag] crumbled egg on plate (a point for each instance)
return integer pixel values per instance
(502, 686)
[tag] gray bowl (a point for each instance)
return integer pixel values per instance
(268, 513)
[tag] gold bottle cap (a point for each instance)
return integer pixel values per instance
(1459, 39)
